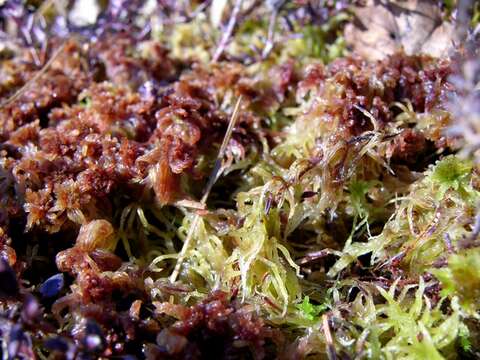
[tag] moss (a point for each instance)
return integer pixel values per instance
(310, 311)
(443, 202)
(343, 224)
(453, 174)
(461, 279)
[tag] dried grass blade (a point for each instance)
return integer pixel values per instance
(35, 77)
(216, 173)
(229, 31)
(328, 338)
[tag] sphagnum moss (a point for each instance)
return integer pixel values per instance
(344, 223)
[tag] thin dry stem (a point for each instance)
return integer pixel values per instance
(34, 78)
(271, 34)
(328, 338)
(229, 31)
(216, 173)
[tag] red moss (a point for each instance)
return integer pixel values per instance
(68, 164)
(89, 259)
(419, 79)
(408, 146)
(61, 83)
(218, 327)
(118, 54)
(7, 253)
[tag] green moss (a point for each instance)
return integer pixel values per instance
(464, 338)
(358, 191)
(310, 311)
(461, 278)
(315, 40)
(451, 174)
(419, 331)
(443, 202)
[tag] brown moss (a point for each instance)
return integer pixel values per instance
(374, 86)
(218, 327)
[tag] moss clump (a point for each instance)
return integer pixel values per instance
(440, 205)
(461, 279)
(223, 179)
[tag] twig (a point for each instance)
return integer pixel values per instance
(276, 6)
(476, 228)
(246, 12)
(200, 8)
(315, 256)
(328, 338)
(34, 78)
(216, 173)
(229, 31)
(271, 33)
